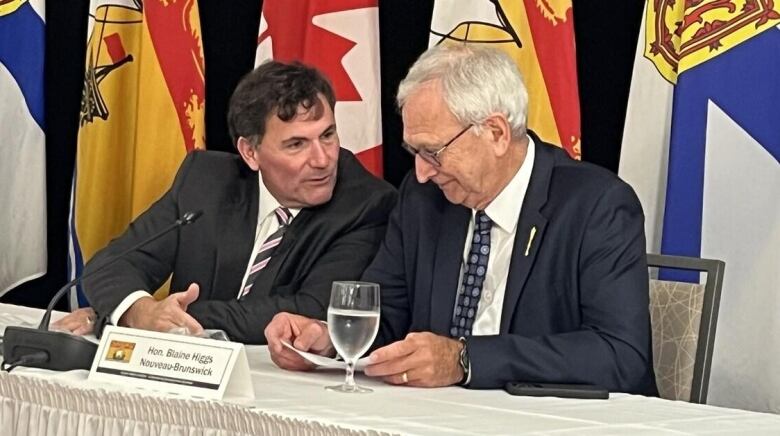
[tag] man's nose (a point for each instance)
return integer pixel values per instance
(423, 169)
(319, 157)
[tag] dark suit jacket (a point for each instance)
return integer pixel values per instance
(575, 309)
(334, 241)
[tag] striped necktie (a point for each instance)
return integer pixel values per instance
(265, 251)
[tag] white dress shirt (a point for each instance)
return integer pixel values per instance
(266, 225)
(504, 211)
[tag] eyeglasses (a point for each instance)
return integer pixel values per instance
(432, 157)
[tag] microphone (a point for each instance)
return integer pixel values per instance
(59, 351)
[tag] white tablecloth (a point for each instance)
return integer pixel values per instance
(42, 402)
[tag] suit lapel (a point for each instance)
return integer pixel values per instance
(237, 225)
(448, 258)
(530, 231)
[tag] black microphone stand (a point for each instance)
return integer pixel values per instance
(59, 351)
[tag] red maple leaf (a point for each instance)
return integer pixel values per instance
(296, 38)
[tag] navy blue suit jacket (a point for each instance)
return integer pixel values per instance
(575, 308)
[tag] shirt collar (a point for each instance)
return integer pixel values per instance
(504, 210)
(268, 203)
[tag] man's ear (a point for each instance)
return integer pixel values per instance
(499, 132)
(248, 152)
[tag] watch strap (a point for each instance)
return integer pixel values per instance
(465, 363)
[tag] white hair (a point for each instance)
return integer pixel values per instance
(476, 82)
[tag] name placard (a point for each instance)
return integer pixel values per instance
(197, 367)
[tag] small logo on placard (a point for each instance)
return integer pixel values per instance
(120, 351)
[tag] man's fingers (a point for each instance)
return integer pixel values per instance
(187, 297)
(83, 315)
(78, 322)
(187, 321)
(278, 330)
(323, 343)
(301, 332)
(296, 329)
(313, 336)
(294, 360)
(390, 367)
(67, 322)
(413, 378)
(178, 318)
(393, 351)
(291, 361)
(84, 329)
(394, 359)
(402, 378)
(288, 359)
(172, 313)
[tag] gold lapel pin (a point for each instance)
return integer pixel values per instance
(530, 240)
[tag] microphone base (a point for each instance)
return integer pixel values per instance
(65, 351)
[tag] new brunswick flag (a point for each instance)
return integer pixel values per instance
(142, 110)
(539, 36)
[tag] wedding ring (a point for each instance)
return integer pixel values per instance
(404, 378)
(90, 320)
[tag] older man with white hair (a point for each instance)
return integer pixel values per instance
(505, 260)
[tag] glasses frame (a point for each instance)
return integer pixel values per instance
(432, 157)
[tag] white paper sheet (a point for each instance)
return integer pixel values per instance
(326, 362)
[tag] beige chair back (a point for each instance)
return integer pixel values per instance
(683, 318)
(675, 316)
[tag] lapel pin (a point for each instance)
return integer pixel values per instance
(530, 240)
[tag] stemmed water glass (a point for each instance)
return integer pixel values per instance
(353, 321)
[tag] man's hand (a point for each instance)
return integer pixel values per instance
(303, 333)
(78, 322)
(165, 315)
(421, 359)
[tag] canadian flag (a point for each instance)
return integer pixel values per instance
(341, 39)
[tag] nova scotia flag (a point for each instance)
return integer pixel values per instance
(702, 150)
(22, 148)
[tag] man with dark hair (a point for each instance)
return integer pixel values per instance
(281, 222)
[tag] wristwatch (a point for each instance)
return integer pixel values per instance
(465, 363)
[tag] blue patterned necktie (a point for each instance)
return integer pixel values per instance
(473, 278)
(283, 216)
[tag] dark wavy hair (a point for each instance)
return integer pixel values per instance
(275, 88)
